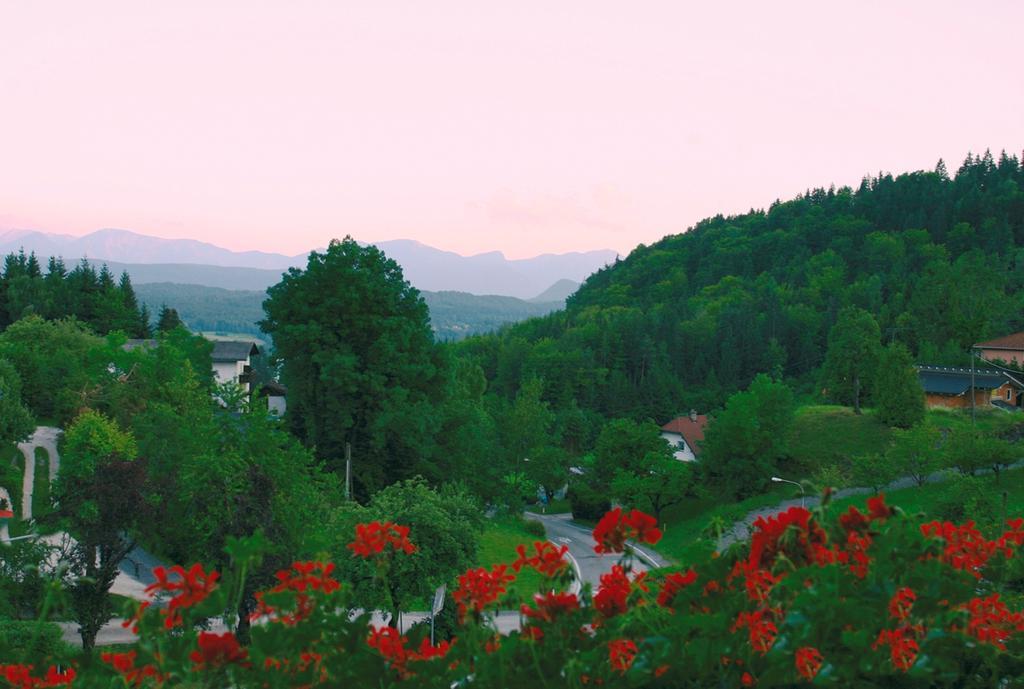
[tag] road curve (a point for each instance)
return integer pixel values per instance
(562, 530)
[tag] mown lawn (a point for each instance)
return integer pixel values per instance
(923, 499)
(498, 545)
(41, 484)
(11, 471)
(824, 435)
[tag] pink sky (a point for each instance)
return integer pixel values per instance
(522, 126)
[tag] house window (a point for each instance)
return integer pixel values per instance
(1008, 392)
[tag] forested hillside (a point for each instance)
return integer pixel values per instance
(937, 260)
(453, 315)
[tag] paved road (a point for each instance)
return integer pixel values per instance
(589, 565)
(45, 437)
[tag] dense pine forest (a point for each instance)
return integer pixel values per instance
(96, 299)
(938, 260)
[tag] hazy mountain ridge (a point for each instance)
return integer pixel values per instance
(153, 259)
(453, 315)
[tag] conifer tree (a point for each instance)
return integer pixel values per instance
(899, 399)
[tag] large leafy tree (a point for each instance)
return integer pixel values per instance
(15, 420)
(100, 499)
(852, 356)
(744, 442)
(359, 361)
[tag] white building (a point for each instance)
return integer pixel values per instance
(685, 434)
(232, 361)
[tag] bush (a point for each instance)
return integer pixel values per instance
(966, 497)
(40, 641)
(587, 503)
(534, 528)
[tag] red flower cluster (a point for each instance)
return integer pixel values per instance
(613, 592)
(965, 547)
(217, 650)
(621, 654)
(192, 587)
(614, 529)
(20, 677)
(901, 603)
(769, 538)
(902, 643)
(306, 577)
(478, 588)
(673, 584)
(550, 606)
(133, 676)
(373, 538)
(991, 622)
(761, 630)
(390, 644)
(808, 662)
(549, 559)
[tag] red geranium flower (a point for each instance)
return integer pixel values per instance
(614, 529)
(373, 538)
(549, 559)
(672, 584)
(551, 605)
(478, 588)
(192, 587)
(901, 603)
(621, 654)
(808, 662)
(218, 650)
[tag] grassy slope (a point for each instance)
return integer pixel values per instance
(498, 545)
(824, 435)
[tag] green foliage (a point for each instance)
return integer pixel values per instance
(95, 299)
(916, 453)
(874, 471)
(41, 641)
(534, 528)
(745, 441)
(99, 497)
(445, 525)
(627, 446)
(52, 360)
(359, 361)
(684, 322)
(586, 502)
(852, 356)
(899, 399)
(16, 422)
(167, 319)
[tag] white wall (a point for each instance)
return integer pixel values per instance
(276, 405)
(682, 451)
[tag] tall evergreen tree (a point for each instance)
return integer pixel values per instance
(852, 356)
(899, 399)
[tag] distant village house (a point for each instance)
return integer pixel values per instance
(1008, 349)
(951, 387)
(685, 434)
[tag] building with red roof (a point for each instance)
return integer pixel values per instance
(685, 434)
(1008, 349)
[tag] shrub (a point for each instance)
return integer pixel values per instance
(587, 503)
(534, 528)
(32, 639)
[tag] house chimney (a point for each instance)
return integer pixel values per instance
(693, 415)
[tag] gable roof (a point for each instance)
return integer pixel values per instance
(233, 350)
(692, 431)
(944, 380)
(1014, 341)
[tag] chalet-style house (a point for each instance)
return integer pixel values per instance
(685, 435)
(232, 361)
(1008, 349)
(950, 387)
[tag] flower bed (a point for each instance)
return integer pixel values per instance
(867, 597)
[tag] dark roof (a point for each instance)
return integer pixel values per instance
(692, 431)
(273, 389)
(942, 380)
(1014, 341)
(233, 350)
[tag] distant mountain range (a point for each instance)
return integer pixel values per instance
(153, 259)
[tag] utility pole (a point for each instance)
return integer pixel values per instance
(348, 471)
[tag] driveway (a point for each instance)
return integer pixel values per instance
(45, 437)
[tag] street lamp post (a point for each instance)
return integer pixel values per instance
(776, 479)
